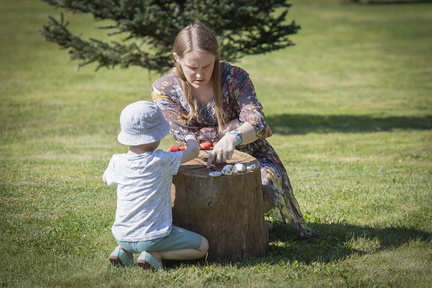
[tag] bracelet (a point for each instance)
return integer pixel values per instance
(237, 134)
(190, 133)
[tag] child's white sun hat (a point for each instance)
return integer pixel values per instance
(142, 122)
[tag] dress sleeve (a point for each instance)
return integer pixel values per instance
(250, 109)
(168, 96)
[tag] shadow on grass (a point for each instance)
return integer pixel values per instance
(337, 242)
(307, 123)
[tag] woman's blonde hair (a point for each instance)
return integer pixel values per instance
(198, 37)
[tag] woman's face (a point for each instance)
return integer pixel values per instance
(197, 67)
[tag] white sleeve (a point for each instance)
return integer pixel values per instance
(109, 173)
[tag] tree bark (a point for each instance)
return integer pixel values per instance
(227, 210)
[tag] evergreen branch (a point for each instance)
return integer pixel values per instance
(244, 27)
(95, 51)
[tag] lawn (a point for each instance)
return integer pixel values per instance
(351, 110)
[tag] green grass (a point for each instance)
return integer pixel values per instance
(351, 108)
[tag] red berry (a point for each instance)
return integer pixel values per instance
(205, 145)
(173, 148)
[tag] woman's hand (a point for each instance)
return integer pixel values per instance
(223, 150)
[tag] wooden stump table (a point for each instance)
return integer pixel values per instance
(227, 210)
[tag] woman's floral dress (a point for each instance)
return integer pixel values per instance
(240, 102)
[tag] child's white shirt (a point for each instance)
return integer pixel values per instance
(143, 194)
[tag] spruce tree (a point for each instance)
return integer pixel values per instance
(148, 29)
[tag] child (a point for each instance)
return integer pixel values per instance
(143, 222)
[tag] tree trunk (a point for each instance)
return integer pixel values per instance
(227, 210)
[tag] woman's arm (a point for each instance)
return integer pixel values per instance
(251, 110)
(250, 122)
(242, 104)
(247, 130)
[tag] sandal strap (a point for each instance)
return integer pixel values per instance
(147, 257)
(124, 256)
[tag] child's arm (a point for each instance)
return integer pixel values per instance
(192, 148)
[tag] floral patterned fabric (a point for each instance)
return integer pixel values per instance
(240, 102)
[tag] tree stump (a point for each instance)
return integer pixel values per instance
(227, 210)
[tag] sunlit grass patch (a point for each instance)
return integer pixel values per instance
(350, 109)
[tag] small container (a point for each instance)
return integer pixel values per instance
(228, 170)
(215, 174)
(240, 167)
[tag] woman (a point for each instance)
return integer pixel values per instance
(217, 103)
